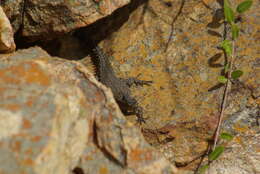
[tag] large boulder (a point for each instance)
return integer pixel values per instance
(42, 19)
(175, 43)
(56, 118)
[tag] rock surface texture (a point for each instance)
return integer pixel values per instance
(242, 155)
(44, 19)
(174, 43)
(6, 34)
(183, 102)
(56, 118)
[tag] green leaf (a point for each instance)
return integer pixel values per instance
(235, 31)
(227, 3)
(226, 136)
(216, 153)
(203, 169)
(236, 74)
(226, 45)
(222, 79)
(243, 6)
(228, 12)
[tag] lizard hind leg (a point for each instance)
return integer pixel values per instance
(131, 104)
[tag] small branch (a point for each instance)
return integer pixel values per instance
(225, 96)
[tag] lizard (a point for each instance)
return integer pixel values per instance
(120, 87)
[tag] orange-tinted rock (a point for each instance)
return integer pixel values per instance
(55, 116)
(184, 69)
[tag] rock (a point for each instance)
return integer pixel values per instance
(182, 105)
(13, 10)
(174, 44)
(242, 156)
(56, 118)
(6, 34)
(44, 19)
(184, 97)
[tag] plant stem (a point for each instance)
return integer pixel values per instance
(225, 96)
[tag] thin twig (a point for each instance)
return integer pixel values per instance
(172, 25)
(225, 96)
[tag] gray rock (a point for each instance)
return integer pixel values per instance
(44, 19)
(240, 157)
(55, 116)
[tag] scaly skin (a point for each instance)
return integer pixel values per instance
(120, 87)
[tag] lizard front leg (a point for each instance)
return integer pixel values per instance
(132, 80)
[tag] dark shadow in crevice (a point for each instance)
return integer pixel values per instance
(78, 170)
(18, 35)
(96, 32)
(103, 28)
